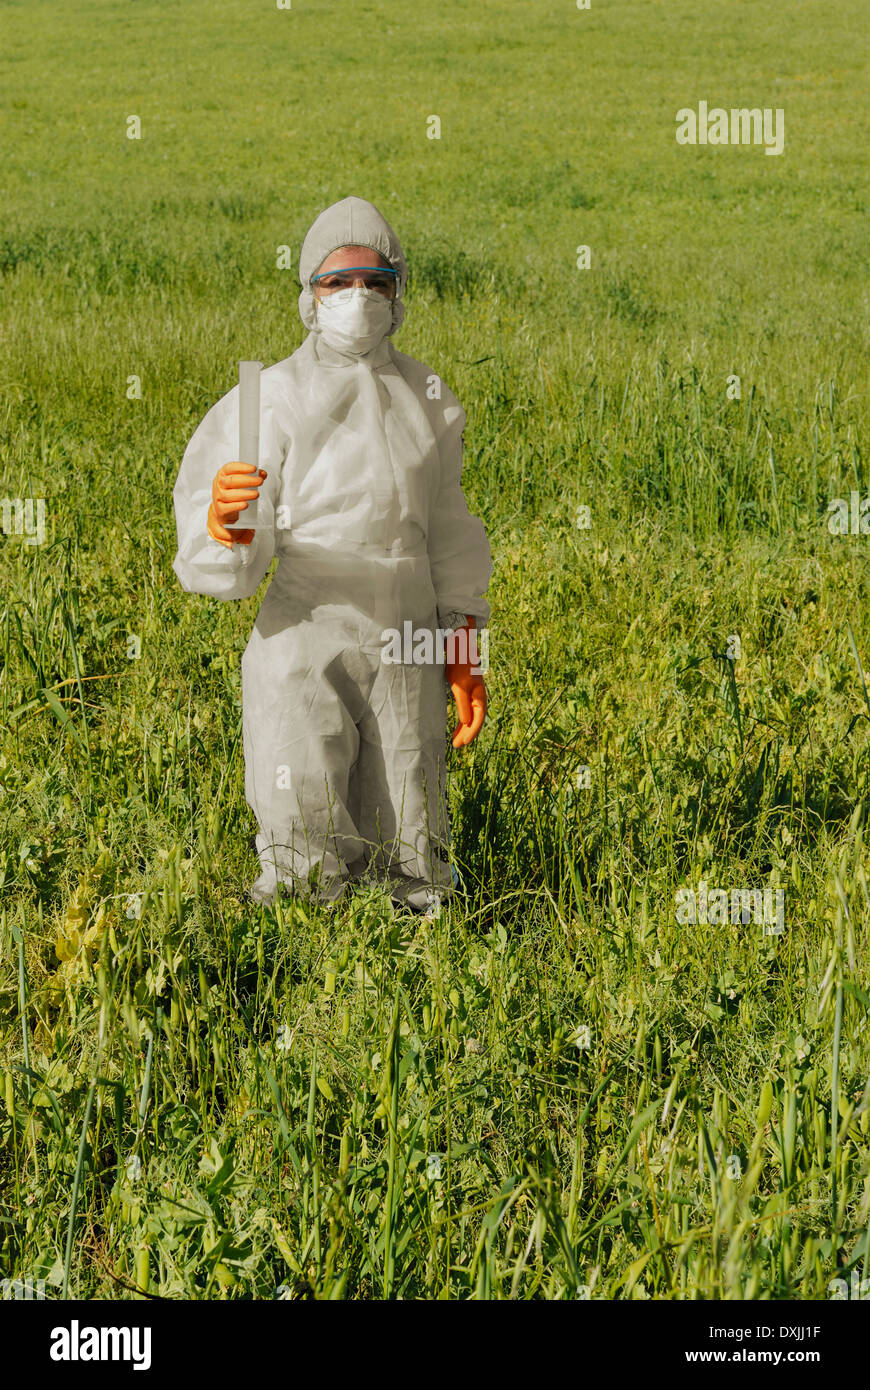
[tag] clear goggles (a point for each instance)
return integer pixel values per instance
(379, 278)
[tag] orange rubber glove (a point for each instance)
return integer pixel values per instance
(231, 491)
(468, 690)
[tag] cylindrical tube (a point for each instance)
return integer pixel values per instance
(249, 433)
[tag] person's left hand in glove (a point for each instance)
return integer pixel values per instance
(468, 689)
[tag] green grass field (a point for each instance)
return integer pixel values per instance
(556, 1090)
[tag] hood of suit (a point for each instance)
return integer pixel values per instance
(350, 222)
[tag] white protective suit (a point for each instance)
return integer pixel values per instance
(344, 753)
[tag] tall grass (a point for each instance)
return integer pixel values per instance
(555, 1090)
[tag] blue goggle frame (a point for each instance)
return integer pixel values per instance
(346, 269)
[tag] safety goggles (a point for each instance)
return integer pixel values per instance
(381, 279)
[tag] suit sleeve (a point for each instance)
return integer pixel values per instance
(202, 565)
(459, 553)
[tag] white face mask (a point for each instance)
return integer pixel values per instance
(354, 320)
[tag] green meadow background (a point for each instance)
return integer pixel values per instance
(554, 1090)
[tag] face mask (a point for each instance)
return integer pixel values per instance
(354, 320)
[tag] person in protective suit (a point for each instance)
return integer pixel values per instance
(359, 487)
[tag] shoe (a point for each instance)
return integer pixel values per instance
(421, 902)
(264, 890)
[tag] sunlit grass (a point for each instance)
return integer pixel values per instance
(554, 1090)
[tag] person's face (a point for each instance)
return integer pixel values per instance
(351, 266)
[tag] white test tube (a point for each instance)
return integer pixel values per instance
(249, 435)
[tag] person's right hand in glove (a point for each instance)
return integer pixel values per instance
(232, 490)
